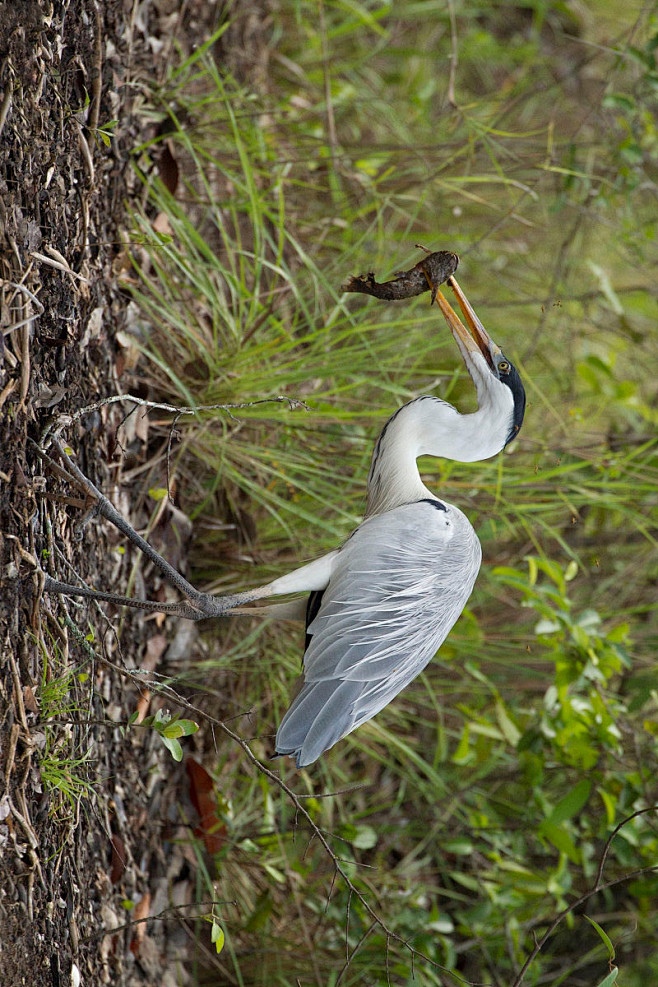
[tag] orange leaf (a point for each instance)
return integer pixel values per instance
(211, 829)
(140, 911)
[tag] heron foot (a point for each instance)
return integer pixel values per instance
(196, 606)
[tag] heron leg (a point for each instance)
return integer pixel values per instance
(197, 605)
(204, 606)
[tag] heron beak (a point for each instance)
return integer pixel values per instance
(478, 339)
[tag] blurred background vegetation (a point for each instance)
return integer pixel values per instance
(476, 807)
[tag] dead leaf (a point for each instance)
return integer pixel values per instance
(141, 417)
(129, 349)
(140, 911)
(168, 168)
(118, 865)
(155, 648)
(143, 704)
(28, 699)
(161, 224)
(211, 829)
(48, 397)
(93, 327)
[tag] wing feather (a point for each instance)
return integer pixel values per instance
(397, 587)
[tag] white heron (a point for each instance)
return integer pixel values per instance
(381, 605)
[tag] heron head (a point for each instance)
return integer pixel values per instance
(484, 359)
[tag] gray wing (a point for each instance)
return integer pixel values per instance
(397, 587)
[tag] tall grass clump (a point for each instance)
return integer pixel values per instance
(478, 806)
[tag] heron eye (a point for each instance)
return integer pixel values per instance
(504, 367)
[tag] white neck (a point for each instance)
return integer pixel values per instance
(428, 426)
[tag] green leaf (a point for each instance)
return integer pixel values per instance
(610, 979)
(571, 571)
(533, 572)
(174, 747)
(461, 846)
(560, 839)
(610, 803)
(462, 754)
(605, 938)
(546, 626)
(618, 101)
(365, 838)
(179, 728)
(217, 936)
(572, 803)
(509, 729)
(261, 913)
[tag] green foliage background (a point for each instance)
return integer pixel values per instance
(478, 805)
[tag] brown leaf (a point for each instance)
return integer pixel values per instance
(28, 700)
(143, 704)
(118, 858)
(168, 168)
(211, 829)
(141, 417)
(161, 224)
(155, 648)
(140, 911)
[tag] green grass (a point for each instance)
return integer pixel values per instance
(455, 818)
(65, 757)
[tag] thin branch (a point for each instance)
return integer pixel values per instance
(170, 693)
(165, 915)
(354, 952)
(597, 886)
(63, 421)
(31, 318)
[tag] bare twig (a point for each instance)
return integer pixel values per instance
(24, 322)
(596, 887)
(351, 955)
(96, 70)
(63, 421)
(300, 811)
(6, 102)
(59, 265)
(172, 911)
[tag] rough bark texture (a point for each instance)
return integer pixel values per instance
(89, 815)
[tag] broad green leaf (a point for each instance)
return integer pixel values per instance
(610, 803)
(173, 746)
(365, 838)
(560, 839)
(460, 846)
(180, 728)
(572, 803)
(571, 571)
